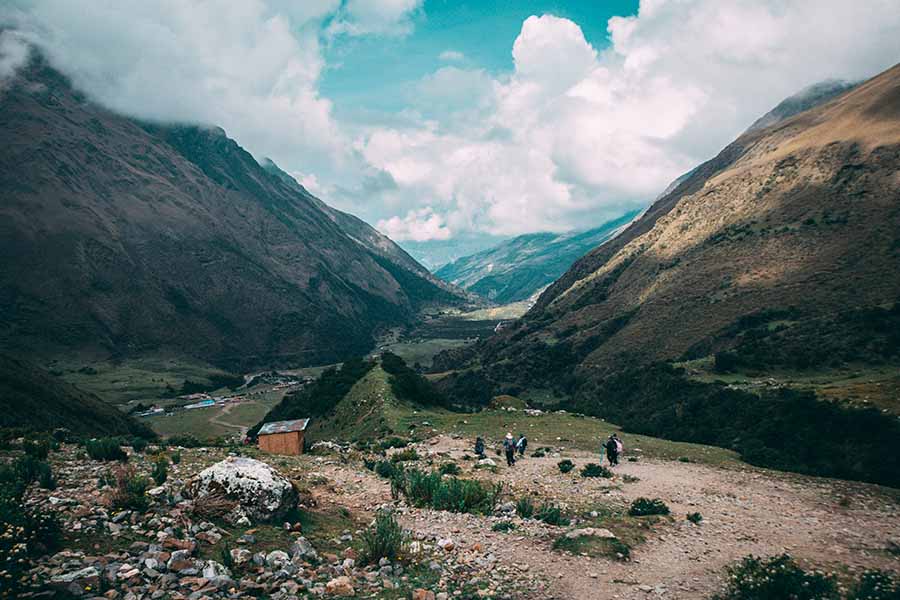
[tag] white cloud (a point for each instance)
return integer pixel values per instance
(386, 17)
(574, 135)
(247, 66)
(451, 56)
(418, 225)
(13, 54)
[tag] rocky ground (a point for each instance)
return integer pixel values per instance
(170, 551)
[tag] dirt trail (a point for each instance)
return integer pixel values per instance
(824, 523)
(216, 419)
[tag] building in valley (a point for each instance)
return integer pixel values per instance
(283, 437)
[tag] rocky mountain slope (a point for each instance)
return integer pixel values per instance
(803, 215)
(121, 238)
(779, 253)
(33, 399)
(518, 268)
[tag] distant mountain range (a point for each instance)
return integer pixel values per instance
(121, 238)
(518, 268)
(434, 254)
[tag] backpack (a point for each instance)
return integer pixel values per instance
(620, 447)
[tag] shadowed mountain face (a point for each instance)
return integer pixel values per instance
(801, 217)
(121, 238)
(518, 268)
(33, 399)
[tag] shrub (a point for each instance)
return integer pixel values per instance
(160, 471)
(130, 491)
(630, 478)
(45, 477)
(383, 539)
(565, 465)
(393, 442)
(694, 518)
(405, 455)
(176, 458)
(684, 459)
(876, 585)
(184, 441)
(27, 469)
(551, 514)
(139, 444)
(539, 453)
(595, 470)
(24, 534)
(450, 469)
(213, 506)
(38, 449)
(225, 557)
(777, 577)
(525, 507)
(503, 526)
(105, 449)
(387, 469)
(453, 494)
(643, 507)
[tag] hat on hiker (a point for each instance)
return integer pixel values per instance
(509, 436)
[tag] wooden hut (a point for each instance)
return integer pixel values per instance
(283, 437)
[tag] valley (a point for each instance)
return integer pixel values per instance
(215, 384)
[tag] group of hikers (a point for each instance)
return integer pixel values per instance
(612, 447)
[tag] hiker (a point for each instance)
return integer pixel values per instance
(479, 447)
(510, 447)
(521, 444)
(612, 446)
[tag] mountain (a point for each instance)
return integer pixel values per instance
(805, 99)
(780, 253)
(518, 268)
(122, 238)
(33, 399)
(436, 253)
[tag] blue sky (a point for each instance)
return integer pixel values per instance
(554, 116)
(378, 73)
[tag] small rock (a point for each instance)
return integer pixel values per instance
(340, 586)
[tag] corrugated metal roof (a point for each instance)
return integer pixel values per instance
(283, 426)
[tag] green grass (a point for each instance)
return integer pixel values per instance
(134, 380)
(571, 431)
(423, 351)
(368, 411)
(856, 385)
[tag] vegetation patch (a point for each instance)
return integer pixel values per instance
(565, 465)
(383, 539)
(551, 514)
(658, 400)
(503, 526)
(525, 507)
(643, 507)
(694, 518)
(595, 470)
(445, 493)
(107, 449)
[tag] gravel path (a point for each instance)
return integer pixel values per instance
(827, 524)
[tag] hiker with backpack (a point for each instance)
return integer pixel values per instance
(521, 444)
(509, 446)
(479, 447)
(613, 447)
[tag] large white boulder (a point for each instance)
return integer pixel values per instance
(259, 492)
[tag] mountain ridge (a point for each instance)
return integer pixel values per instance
(518, 268)
(172, 238)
